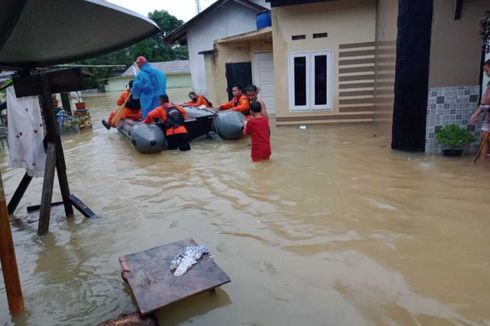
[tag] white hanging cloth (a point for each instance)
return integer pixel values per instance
(25, 133)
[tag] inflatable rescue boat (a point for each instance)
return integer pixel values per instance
(200, 123)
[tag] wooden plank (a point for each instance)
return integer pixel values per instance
(358, 53)
(356, 45)
(357, 93)
(356, 85)
(356, 77)
(356, 69)
(47, 192)
(390, 85)
(154, 286)
(359, 115)
(60, 81)
(349, 62)
(31, 209)
(19, 193)
(386, 68)
(8, 260)
(53, 135)
(80, 205)
(357, 109)
(368, 100)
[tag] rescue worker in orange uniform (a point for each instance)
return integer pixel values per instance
(239, 102)
(172, 117)
(198, 100)
(128, 113)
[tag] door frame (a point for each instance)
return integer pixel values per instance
(255, 70)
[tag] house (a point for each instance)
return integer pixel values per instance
(316, 64)
(361, 61)
(223, 18)
(178, 73)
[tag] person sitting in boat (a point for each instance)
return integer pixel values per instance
(148, 85)
(198, 101)
(252, 92)
(131, 108)
(239, 102)
(172, 118)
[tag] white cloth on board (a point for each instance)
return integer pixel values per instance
(25, 133)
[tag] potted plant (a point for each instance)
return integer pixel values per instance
(80, 105)
(454, 138)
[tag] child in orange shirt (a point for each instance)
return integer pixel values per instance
(258, 127)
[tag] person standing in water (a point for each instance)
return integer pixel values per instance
(148, 85)
(258, 128)
(252, 92)
(239, 102)
(484, 107)
(172, 117)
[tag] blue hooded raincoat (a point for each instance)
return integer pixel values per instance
(149, 84)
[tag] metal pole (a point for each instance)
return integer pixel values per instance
(9, 262)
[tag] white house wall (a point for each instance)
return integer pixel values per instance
(229, 20)
(263, 3)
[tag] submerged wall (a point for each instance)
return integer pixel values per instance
(455, 65)
(351, 27)
(230, 52)
(386, 33)
(228, 20)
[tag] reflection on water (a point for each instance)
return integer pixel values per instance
(335, 230)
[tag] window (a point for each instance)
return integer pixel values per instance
(300, 81)
(310, 80)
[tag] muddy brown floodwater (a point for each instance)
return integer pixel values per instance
(336, 229)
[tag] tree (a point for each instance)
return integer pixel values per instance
(153, 48)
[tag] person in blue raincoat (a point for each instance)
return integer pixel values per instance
(148, 86)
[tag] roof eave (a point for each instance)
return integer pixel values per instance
(180, 34)
(282, 3)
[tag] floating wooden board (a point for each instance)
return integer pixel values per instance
(153, 284)
(80, 205)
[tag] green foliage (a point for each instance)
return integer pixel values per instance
(153, 48)
(485, 30)
(454, 136)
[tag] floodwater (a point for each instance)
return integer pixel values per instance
(336, 229)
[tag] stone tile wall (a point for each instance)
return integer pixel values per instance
(451, 105)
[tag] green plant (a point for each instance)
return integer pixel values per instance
(485, 31)
(454, 136)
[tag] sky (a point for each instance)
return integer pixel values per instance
(182, 9)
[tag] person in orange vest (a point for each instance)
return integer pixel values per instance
(239, 102)
(172, 117)
(198, 100)
(131, 110)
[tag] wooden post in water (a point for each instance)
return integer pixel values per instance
(47, 194)
(19, 193)
(53, 135)
(7, 257)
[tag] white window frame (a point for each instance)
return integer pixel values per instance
(310, 80)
